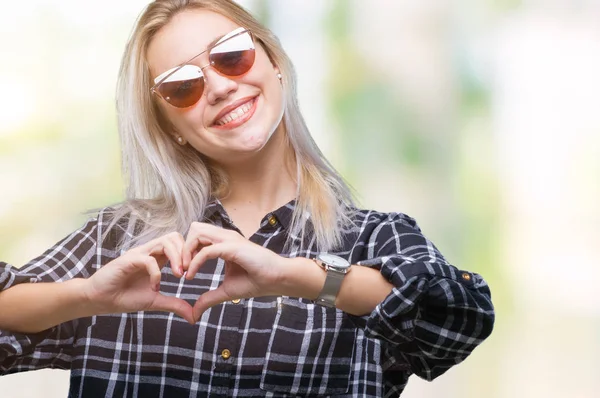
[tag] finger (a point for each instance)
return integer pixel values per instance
(138, 263)
(178, 245)
(172, 249)
(188, 255)
(174, 305)
(214, 233)
(153, 271)
(207, 300)
(195, 240)
(169, 246)
(222, 250)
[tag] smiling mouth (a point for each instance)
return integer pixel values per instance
(238, 115)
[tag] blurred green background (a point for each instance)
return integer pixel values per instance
(478, 118)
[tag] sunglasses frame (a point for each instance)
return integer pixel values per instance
(218, 42)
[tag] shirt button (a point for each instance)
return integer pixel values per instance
(235, 301)
(272, 220)
(225, 353)
(466, 277)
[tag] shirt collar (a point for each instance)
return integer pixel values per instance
(213, 209)
(284, 214)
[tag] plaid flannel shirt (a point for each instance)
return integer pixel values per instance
(268, 346)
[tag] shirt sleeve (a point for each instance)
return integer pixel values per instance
(75, 256)
(436, 314)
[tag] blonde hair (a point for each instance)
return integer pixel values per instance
(169, 185)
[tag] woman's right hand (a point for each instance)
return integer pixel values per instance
(131, 282)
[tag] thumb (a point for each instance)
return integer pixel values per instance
(209, 299)
(174, 305)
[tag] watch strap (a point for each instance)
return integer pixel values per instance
(331, 288)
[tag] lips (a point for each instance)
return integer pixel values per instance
(236, 113)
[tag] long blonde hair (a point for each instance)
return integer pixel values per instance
(169, 185)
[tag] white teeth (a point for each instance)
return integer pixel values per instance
(236, 113)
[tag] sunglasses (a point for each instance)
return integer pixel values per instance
(231, 56)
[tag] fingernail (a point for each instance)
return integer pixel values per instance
(157, 287)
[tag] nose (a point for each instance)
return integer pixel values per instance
(216, 86)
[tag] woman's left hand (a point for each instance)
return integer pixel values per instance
(250, 270)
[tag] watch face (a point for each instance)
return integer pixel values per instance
(334, 261)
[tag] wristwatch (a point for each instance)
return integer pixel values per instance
(336, 267)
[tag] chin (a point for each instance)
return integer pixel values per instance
(252, 146)
(254, 140)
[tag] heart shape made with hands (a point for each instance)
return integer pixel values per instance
(132, 281)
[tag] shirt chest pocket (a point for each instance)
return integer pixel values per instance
(310, 350)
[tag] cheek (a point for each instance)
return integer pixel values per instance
(184, 120)
(169, 116)
(277, 101)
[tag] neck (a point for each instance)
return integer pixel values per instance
(265, 182)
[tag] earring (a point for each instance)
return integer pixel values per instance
(180, 140)
(279, 76)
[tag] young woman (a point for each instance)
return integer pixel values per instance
(238, 264)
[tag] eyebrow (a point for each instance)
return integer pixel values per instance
(216, 40)
(209, 46)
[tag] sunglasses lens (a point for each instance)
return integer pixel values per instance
(184, 87)
(234, 56)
